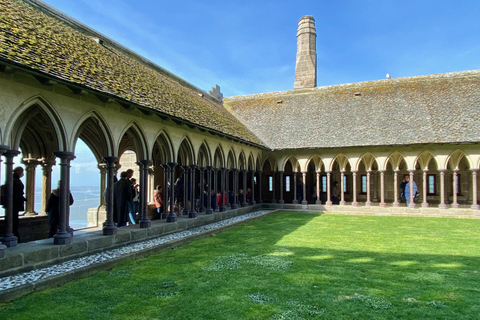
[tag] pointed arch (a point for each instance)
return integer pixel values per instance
(342, 160)
(317, 161)
(162, 151)
(425, 158)
(270, 160)
(368, 160)
(242, 162)
(455, 157)
(219, 158)
(396, 159)
(204, 157)
(231, 163)
(133, 138)
(34, 123)
(251, 165)
(185, 152)
(294, 163)
(257, 163)
(93, 130)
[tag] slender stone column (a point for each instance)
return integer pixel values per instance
(209, 190)
(235, 188)
(201, 190)
(455, 189)
(186, 170)
(244, 182)
(295, 201)
(9, 239)
(304, 179)
(274, 176)
(227, 186)
(3, 149)
(166, 173)
(151, 184)
(260, 199)
(110, 228)
(171, 215)
(425, 191)
(342, 187)
(64, 234)
(215, 185)
(318, 201)
(382, 188)
(442, 204)
(354, 184)
(412, 195)
(396, 202)
(374, 179)
(222, 187)
(329, 189)
(47, 183)
(474, 205)
(30, 166)
(103, 181)
(193, 212)
(281, 201)
(144, 191)
(252, 200)
(368, 202)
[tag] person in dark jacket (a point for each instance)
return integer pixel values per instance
(53, 210)
(18, 199)
(122, 196)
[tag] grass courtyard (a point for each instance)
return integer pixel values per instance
(287, 266)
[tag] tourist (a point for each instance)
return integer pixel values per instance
(402, 187)
(18, 199)
(122, 195)
(336, 193)
(158, 199)
(53, 210)
(407, 189)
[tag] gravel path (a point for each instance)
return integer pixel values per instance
(75, 264)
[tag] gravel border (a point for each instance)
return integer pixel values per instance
(35, 276)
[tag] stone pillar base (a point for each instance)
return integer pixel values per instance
(355, 204)
(185, 212)
(383, 205)
(223, 208)
(146, 223)
(192, 214)
(368, 203)
(442, 206)
(171, 218)
(2, 251)
(234, 206)
(425, 205)
(343, 203)
(295, 202)
(30, 214)
(474, 207)
(281, 201)
(10, 242)
(304, 202)
(455, 205)
(328, 203)
(317, 202)
(109, 230)
(209, 211)
(64, 238)
(412, 205)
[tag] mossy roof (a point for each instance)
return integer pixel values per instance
(41, 42)
(441, 108)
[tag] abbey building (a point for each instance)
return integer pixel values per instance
(340, 147)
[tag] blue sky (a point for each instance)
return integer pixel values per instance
(249, 47)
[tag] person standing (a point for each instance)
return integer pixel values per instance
(402, 187)
(122, 196)
(158, 199)
(18, 200)
(53, 210)
(407, 189)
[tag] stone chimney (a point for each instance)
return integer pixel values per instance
(306, 65)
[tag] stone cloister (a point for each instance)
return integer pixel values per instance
(61, 82)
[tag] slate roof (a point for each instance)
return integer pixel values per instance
(46, 44)
(441, 108)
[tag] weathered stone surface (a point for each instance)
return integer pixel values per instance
(100, 243)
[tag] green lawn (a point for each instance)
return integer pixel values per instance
(288, 266)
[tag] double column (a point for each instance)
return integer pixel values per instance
(144, 166)
(65, 233)
(9, 239)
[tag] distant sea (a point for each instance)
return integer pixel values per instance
(84, 197)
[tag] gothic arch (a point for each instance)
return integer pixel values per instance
(342, 160)
(219, 158)
(231, 164)
(162, 151)
(204, 157)
(132, 138)
(251, 165)
(455, 157)
(368, 160)
(271, 161)
(396, 159)
(242, 162)
(92, 129)
(34, 123)
(293, 161)
(424, 159)
(317, 161)
(185, 153)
